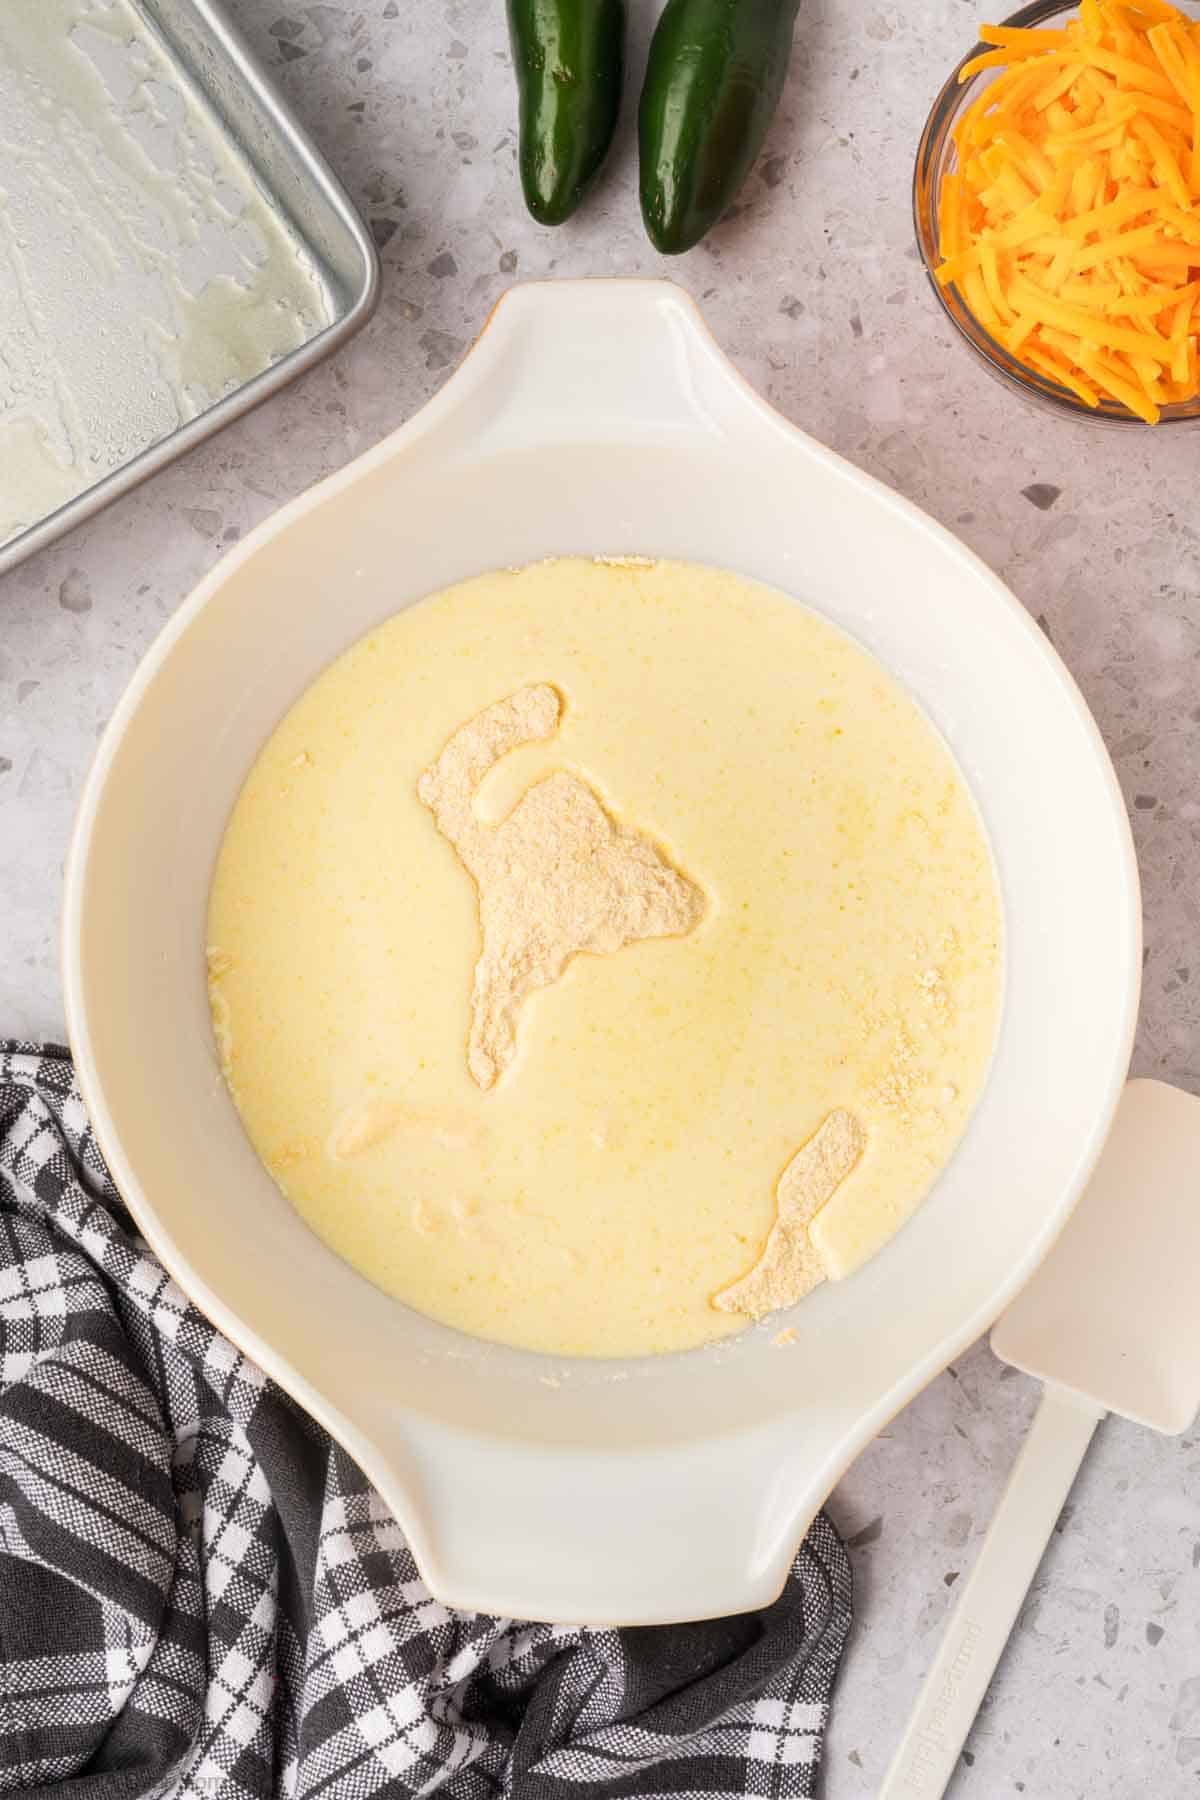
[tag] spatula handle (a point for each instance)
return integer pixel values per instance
(991, 1597)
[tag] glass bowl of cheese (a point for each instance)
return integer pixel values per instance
(1056, 200)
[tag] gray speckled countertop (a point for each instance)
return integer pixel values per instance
(815, 290)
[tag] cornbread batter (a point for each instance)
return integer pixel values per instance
(602, 954)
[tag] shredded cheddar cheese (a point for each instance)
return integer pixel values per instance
(1070, 221)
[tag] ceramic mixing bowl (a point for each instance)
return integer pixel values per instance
(597, 417)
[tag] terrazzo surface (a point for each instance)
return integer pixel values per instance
(814, 289)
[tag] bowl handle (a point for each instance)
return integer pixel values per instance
(543, 370)
(636, 1537)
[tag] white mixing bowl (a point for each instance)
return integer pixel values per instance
(597, 417)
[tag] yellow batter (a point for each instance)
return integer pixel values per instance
(821, 954)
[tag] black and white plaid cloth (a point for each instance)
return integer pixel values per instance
(201, 1595)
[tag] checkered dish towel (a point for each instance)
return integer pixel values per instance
(200, 1594)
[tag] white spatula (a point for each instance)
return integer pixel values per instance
(1110, 1323)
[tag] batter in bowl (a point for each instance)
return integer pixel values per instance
(604, 953)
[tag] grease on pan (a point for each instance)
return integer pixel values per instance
(147, 270)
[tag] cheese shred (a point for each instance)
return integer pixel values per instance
(1069, 222)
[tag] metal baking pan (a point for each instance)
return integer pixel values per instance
(173, 249)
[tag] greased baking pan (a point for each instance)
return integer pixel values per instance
(173, 248)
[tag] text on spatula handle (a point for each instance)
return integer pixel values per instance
(930, 1745)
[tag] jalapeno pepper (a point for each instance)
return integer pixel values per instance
(569, 57)
(713, 80)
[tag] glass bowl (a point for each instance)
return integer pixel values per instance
(935, 155)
